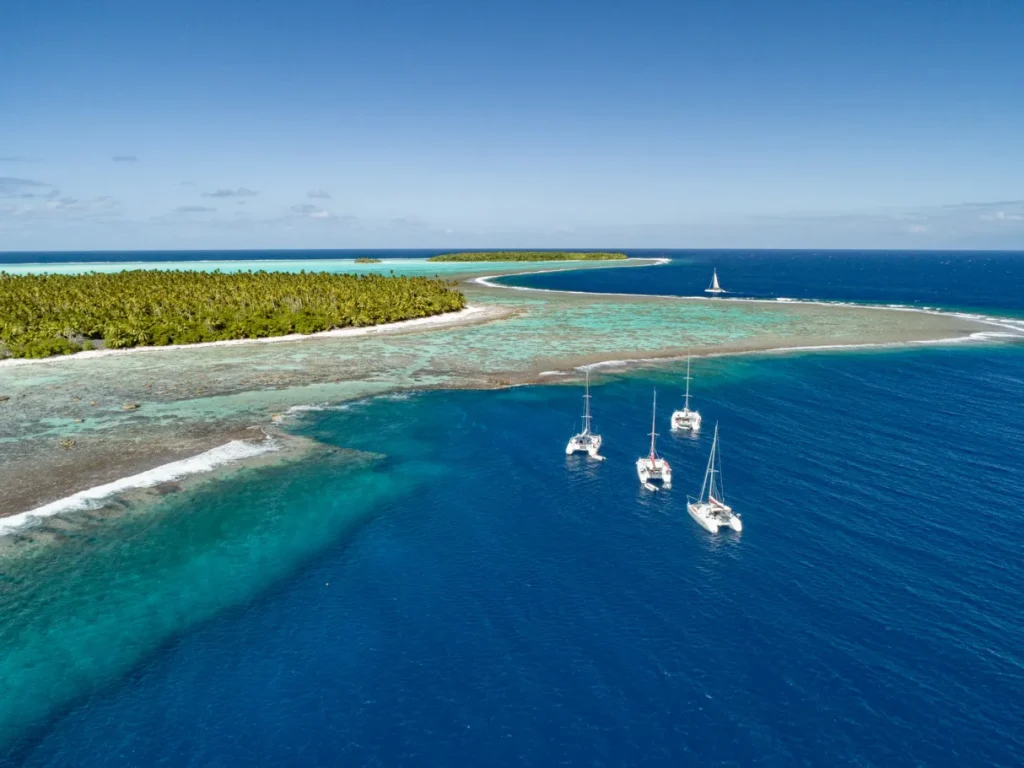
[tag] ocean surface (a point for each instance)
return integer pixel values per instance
(987, 281)
(447, 588)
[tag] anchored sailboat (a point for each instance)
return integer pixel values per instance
(686, 420)
(652, 467)
(710, 509)
(714, 287)
(586, 441)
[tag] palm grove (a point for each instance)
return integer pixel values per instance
(43, 315)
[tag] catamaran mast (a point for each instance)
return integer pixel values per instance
(654, 434)
(711, 465)
(586, 405)
(710, 473)
(686, 405)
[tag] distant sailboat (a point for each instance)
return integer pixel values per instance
(686, 420)
(710, 509)
(714, 287)
(652, 467)
(586, 441)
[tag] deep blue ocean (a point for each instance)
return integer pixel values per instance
(500, 604)
(988, 281)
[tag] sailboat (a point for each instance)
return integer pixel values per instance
(710, 509)
(653, 467)
(686, 420)
(714, 287)
(586, 441)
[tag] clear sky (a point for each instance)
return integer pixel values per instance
(309, 123)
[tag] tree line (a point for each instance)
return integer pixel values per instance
(44, 315)
(528, 256)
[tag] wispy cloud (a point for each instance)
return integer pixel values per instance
(318, 194)
(194, 209)
(311, 211)
(961, 225)
(92, 205)
(239, 192)
(11, 186)
(19, 159)
(960, 213)
(984, 206)
(63, 203)
(53, 194)
(125, 159)
(1001, 215)
(63, 208)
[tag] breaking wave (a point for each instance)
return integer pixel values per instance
(91, 498)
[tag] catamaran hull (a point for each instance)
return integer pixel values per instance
(701, 513)
(686, 421)
(590, 447)
(657, 471)
(592, 453)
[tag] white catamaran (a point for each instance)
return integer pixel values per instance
(686, 420)
(714, 287)
(586, 441)
(710, 509)
(653, 467)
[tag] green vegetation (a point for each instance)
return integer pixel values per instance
(43, 315)
(528, 256)
(367, 260)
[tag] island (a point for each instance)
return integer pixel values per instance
(529, 256)
(131, 411)
(367, 260)
(48, 314)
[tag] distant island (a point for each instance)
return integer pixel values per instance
(44, 315)
(367, 260)
(529, 256)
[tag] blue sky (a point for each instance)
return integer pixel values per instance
(464, 124)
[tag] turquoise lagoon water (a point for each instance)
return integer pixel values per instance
(412, 267)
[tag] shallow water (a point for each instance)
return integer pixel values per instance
(85, 597)
(411, 267)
